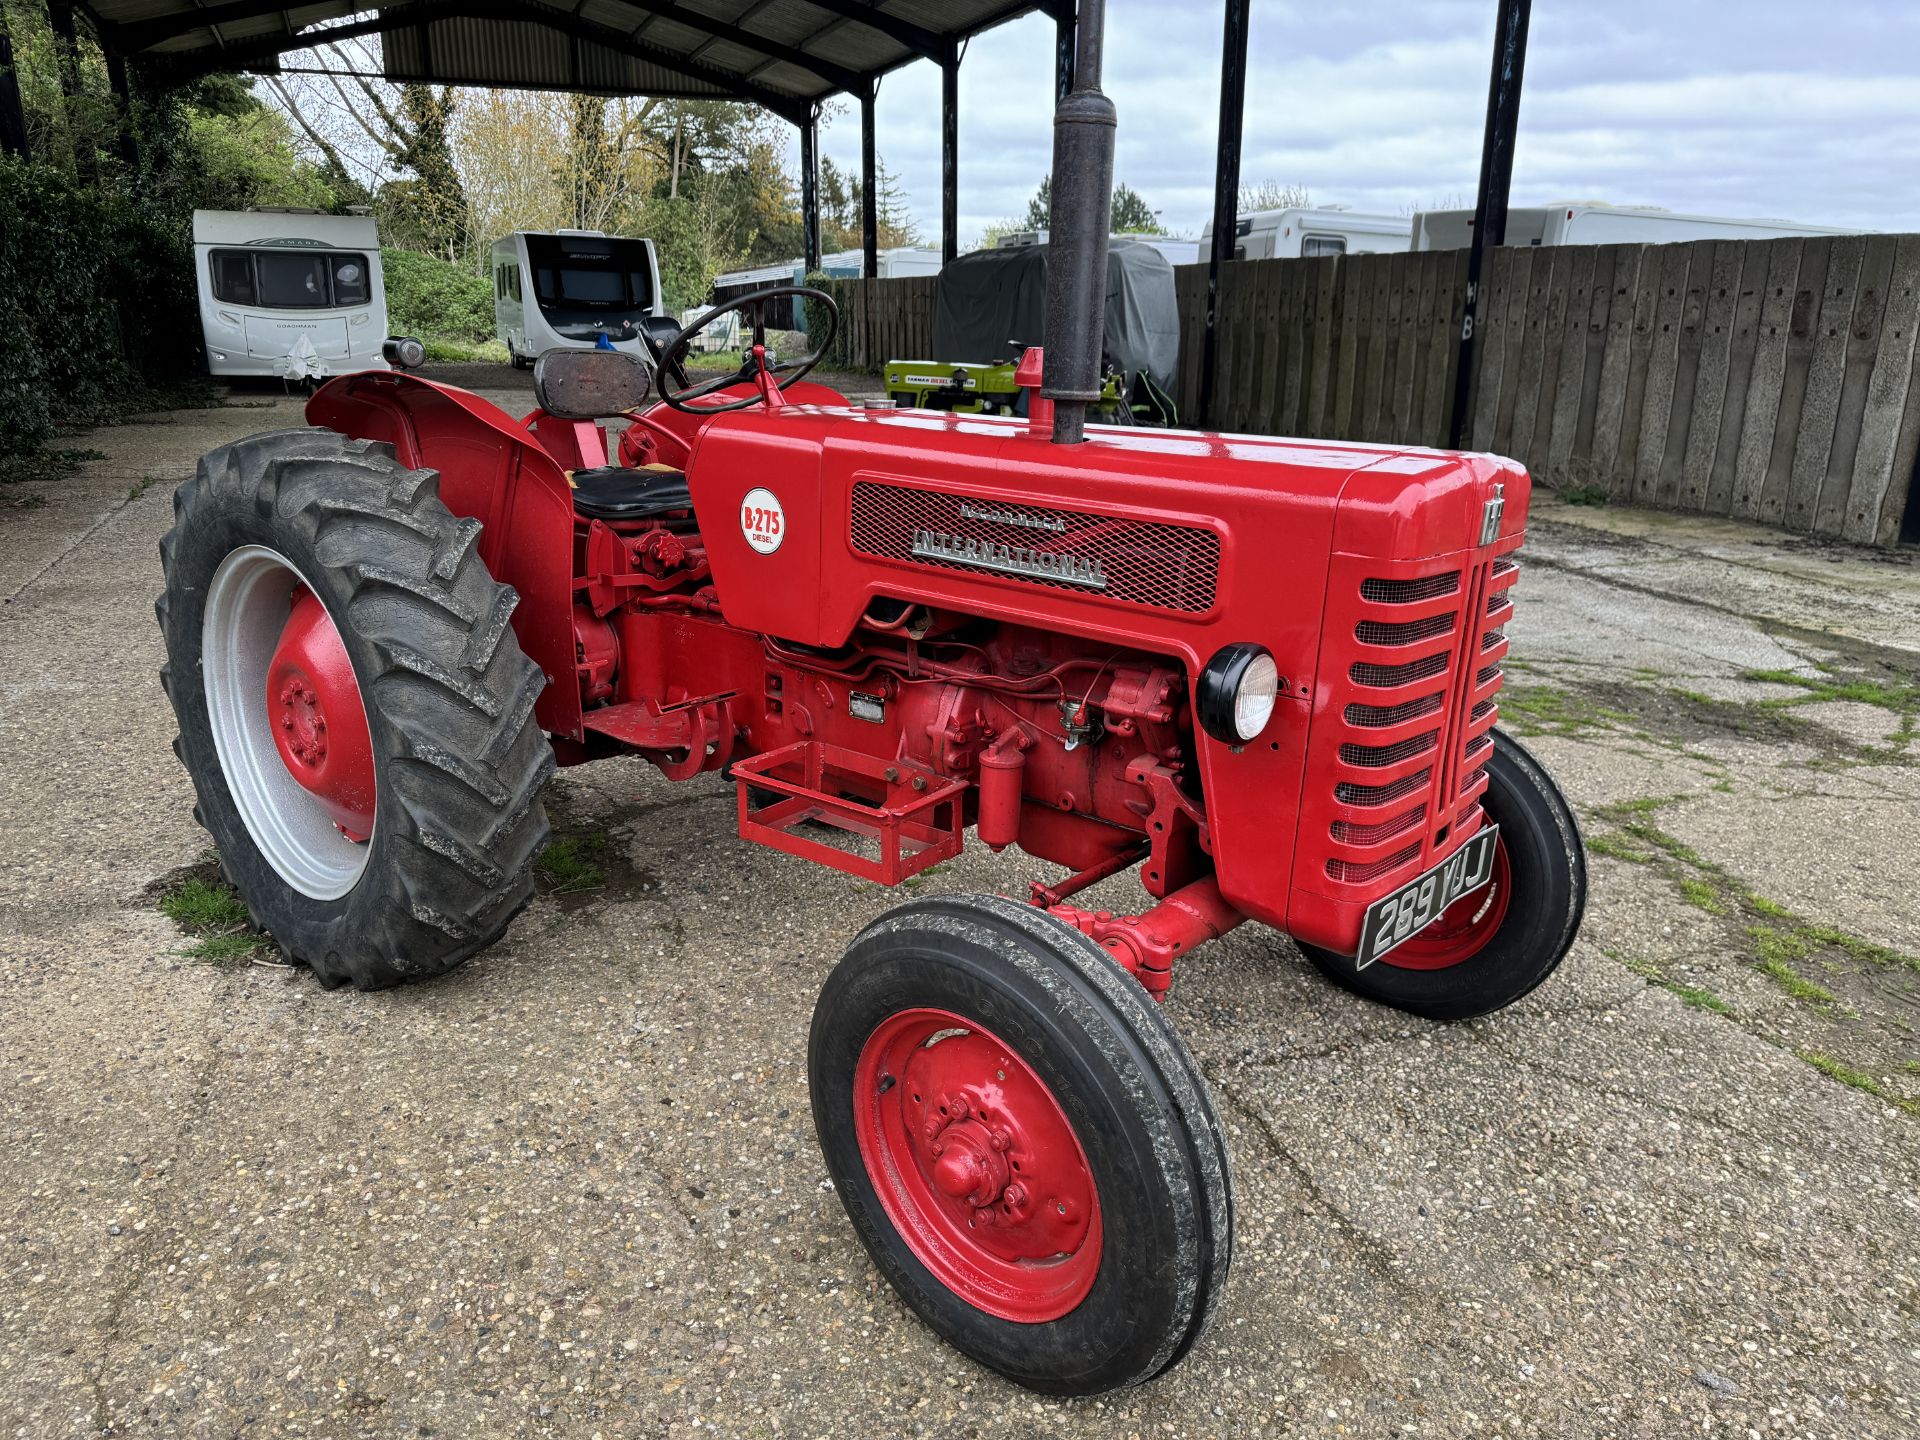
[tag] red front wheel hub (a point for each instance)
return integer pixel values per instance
(1464, 927)
(319, 722)
(977, 1166)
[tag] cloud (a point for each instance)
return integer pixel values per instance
(1754, 108)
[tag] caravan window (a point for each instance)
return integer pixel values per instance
(350, 280)
(1312, 245)
(291, 279)
(232, 276)
(601, 273)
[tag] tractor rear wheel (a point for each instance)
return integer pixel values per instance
(1495, 945)
(1025, 1147)
(354, 711)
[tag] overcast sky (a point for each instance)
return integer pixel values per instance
(1735, 107)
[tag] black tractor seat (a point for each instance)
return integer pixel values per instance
(620, 492)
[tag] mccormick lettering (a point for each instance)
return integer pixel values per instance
(1010, 559)
(1011, 517)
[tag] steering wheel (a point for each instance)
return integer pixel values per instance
(768, 373)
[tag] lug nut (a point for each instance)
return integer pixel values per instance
(1016, 1196)
(1000, 1140)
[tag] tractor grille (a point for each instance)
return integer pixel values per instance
(1405, 743)
(1141, 562)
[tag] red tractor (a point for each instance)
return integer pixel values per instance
(1262, 672)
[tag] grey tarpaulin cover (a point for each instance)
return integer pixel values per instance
(991, 298)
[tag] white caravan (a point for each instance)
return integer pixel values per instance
(1328, 230)
(1593, 222)
(292, 293)
(564, 289)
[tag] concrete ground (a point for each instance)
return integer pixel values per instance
(573, 1189)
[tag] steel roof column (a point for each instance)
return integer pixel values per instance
(1062, 53)
(1226, 188)
(13, 115)
(1496, 180)
(810, 189)
(950, 155)
(869, 191)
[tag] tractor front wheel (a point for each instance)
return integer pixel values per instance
(354, 712)
(1025, 1147)
(1495, 945)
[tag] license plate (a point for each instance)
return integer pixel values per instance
(1418, 903)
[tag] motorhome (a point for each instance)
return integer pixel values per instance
(1594, 222)
(289, 293)
(1326, 230)
(564, 289)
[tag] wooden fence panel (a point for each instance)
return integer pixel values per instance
(1776, 380)
(1824, 349)
(1874, 481)
(1706, 348)
(1861, 347)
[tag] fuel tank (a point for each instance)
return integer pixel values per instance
(1167, 541)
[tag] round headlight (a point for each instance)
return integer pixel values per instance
(1237, 692)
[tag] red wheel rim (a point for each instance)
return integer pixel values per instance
(1464, 927)
(977, 1166)
(319, 722)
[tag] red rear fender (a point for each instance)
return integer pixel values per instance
(495, 472)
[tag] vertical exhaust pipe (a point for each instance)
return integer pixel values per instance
(1082, 216)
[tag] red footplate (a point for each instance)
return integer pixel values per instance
(882, 820)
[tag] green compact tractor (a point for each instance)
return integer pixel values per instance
(979, 388)
(989, 309)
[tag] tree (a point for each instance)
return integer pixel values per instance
(1040, 207)
(1131, 213)
(1272, 195)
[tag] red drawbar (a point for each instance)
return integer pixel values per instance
(977, 1166)
(319, 723)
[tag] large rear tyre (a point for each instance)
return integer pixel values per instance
(354, 711)
(1497, 944)
(1023, 1144)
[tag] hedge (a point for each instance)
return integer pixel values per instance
(434, 300)
(97, 303)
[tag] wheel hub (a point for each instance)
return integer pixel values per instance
(1464, 928)
(978, 1166)
(319, 723)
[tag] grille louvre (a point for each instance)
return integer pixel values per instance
(1389, 677)
(1402, 632)
(1353, 832)
(1378, 717)
(1348, 793)
(1141, 562)
(1409, 592)
(1378, 757)
(1359, 873)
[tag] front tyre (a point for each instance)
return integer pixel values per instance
(354, 711)
(1023, 1144)
(1494, 946)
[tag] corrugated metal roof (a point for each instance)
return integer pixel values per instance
(785, 54)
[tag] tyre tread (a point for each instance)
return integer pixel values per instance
(464, 821)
